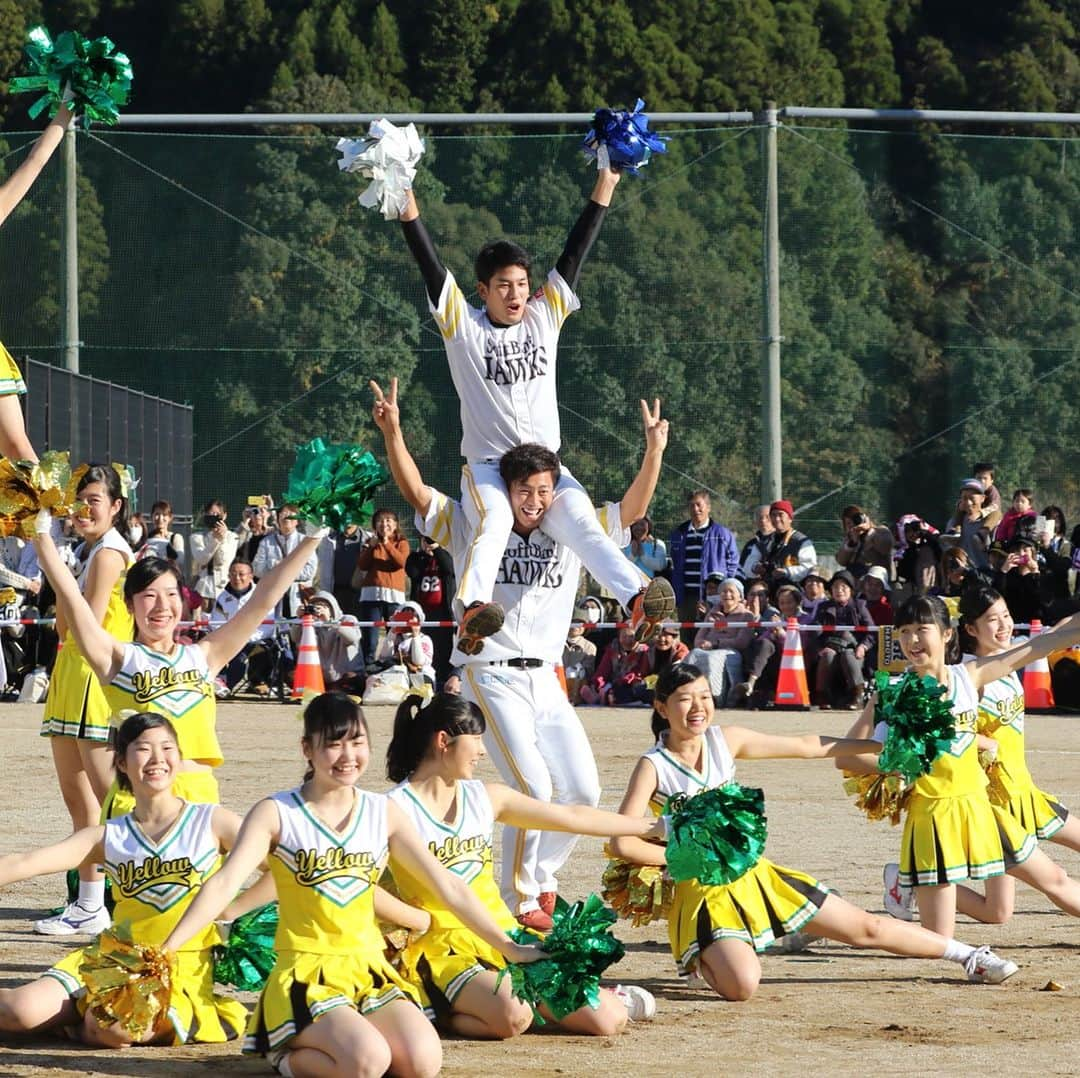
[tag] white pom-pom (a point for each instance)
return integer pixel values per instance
(388, 157)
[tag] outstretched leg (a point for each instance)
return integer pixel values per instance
(1044, 875)
(994, 907)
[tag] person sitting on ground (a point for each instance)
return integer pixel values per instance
(865, 543)
(839, 647)
(763, 528)
(789, 555)
(647, 552)
(407, 646)
(1019, 518)
(718, 648)
(578, 657)
(665, 650)
(338, 639)
(1058, 530)
(958, 573)
(619, 674)
(1054, 559)
(760, 651)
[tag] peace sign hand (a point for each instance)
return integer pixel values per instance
(385, 409)
(656, 429)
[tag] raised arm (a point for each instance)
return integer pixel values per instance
(587, 227)
(991, 667)
(224, 643)
(635, 502)
(22, 179)
(102, 651)
(423, 250)
(403, 468)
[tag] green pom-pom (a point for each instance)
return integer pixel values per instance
(333, 484)
(577, 951)
(920, 720)
(716, 835)
(245, 959)
(98, 77)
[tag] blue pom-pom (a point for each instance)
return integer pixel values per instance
(621, 138)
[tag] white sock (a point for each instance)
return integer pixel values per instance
(955, 951)
(283, 1067)
(91, 894)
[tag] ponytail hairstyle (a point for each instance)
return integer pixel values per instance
(109, 477)
(415, 727)
(974, 602)
(130, 730)
(929, 610)
(331, 716)
(671, 678)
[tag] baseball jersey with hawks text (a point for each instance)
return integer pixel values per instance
(505, 375)
(536, 584)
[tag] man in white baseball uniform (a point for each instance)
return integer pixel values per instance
(502, 360)
(534, 736)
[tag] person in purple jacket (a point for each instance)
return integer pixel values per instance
(699, 546)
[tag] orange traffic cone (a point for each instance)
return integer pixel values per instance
(791, 690)
(1038, 695)
(308, 672)
(560, 673)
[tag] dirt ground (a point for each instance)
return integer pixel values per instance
(842, 1011)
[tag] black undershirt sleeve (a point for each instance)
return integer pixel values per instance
(423, 250)
(579, 242)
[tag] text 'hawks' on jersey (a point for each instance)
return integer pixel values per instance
(536, 583)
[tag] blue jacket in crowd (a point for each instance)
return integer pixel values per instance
(718, 554)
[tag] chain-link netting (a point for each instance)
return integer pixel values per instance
(927, 323)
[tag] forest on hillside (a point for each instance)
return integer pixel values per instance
(930, 276)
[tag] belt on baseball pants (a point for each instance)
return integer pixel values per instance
(521, 664)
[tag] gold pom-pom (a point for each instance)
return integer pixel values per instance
(996, 776)
(26, 487)
(640, 894)
(127, 983)
(881, 797)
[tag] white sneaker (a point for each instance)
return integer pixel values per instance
(791, 943)
(640, 1004)
(985, 967)
(899, 901)
(75, 921)
(221, 689)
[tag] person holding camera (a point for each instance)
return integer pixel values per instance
(787, 556)
(338, 638)
(865, 543)
(213, 548)
(256, 523)
(275, 548)
(407, 648)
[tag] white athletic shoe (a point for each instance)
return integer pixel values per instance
(640, 1004)
(791, 943)
(985, 967)
(899, 901)
(74, 921)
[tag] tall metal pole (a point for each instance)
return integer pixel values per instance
(70, 286)
(771, 443)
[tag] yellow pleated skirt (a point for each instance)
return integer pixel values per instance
(949, 839)
(75, 705)
(442, 962)
(11, 379)
(762, 905)
(197, 1014)
(1034, 810)
(303, 986)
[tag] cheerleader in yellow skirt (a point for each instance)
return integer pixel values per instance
(157, 858)
(14, 443)
(717, 930)
(951, 831)
(153, 671)
(432, 756)
(332, 1003)
(76, 718)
